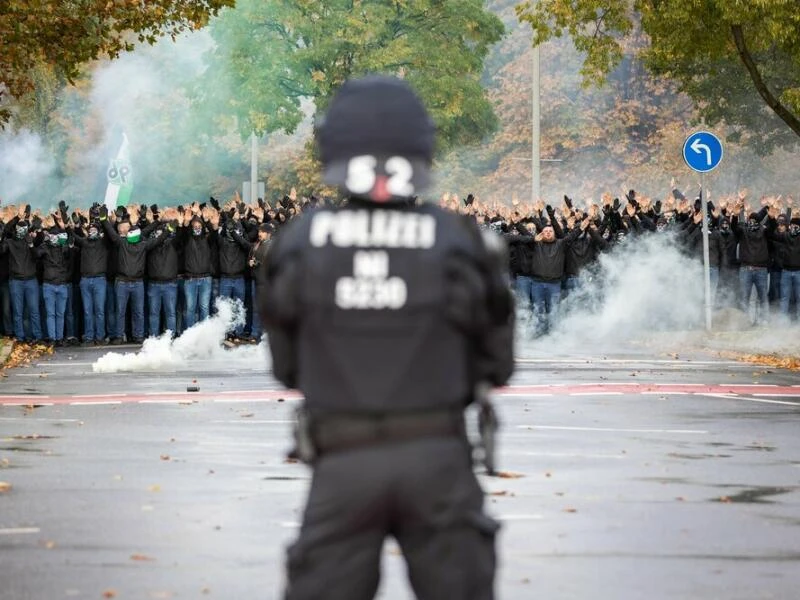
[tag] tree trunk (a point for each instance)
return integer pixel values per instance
(786, 116)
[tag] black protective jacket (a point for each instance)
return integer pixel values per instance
(383, 310)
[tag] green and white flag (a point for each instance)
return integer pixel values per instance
(120, 178)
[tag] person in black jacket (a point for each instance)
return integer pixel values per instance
(23, 285)
(546, 268)
(255, 258)
(233, 249)
(6, 321)
(789, 242)
(130, 272)
(751, 233)
(581, 254)
(386, 316)
(56, 279)
(162, 284)
(199, 239)
(93, 269)
(728, 289)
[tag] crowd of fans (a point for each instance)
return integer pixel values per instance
(94, 277)
(753, 249)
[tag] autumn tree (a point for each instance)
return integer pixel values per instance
(271, 55)
(59, 36)
(737, 61)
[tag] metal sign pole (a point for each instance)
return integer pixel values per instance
(706, 263)
(253, 168)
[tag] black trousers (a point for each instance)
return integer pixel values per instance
(424, 494)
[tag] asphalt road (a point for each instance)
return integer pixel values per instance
(640, 475)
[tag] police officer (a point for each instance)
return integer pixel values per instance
(387, 315)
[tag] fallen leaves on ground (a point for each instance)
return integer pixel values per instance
(165, 457)
(570, 510)
(768, 360)
(142, 558)
(4, 487)
(508, 475)
(24, 354)
(110, 594)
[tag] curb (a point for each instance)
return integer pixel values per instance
(5, 352)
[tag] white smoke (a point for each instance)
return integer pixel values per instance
(123, 90)
(201, 343)
(648, 294)
(24, 163)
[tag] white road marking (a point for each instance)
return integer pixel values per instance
(779, 395)
(65, 364)
(522, 395)
(765, 401)
(19, 530)
(99, 396)
(663, 393)
(173, 401)
(596, 394)
(235, 400)
(95, 403)
(566, 455)
(40, 375)
(523, 517)
(627, 361)
(610, 429)
(28, 419)
(246, 421)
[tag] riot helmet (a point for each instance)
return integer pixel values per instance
(376, 140)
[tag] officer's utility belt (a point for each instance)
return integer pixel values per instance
(329, 434)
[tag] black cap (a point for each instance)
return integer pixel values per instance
(267, 227)
(381, 117)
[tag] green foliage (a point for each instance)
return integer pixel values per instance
(63, 35)
(693, 44)
(271, 54)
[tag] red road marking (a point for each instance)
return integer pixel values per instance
(632, 389)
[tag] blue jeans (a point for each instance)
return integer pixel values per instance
(5, 309)
(25, 294)
(55, 307)
(93, 295)
(197, 293)
(546, 297)
(758, 277)
(111, 309)
(180, 309)
(71, 317)
(162, 294)
(790, 288)
(233, 287)
(133, 290)
(522, 286)
(256, 330)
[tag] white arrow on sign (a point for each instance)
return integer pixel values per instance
(696, 146)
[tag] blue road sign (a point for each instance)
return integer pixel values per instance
(702, 151)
